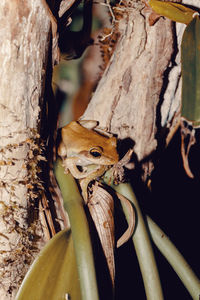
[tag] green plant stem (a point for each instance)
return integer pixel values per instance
(142, 246)
(73, 203)
(175, 258)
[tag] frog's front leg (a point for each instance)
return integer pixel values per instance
(71, 164)
(85, 181)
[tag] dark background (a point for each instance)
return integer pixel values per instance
(173, 204)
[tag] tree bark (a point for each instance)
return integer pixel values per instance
(138, 96)
(24, 35)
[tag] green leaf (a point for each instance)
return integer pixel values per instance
(190, 56)
(174, 11)
(54, 273)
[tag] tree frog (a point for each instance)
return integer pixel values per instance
(83, 147)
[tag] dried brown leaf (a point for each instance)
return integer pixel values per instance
(101, 207)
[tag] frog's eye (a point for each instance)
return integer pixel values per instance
(96, 152)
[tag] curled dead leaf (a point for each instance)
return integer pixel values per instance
(101, 207)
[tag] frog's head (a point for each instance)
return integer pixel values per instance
(102, 152)
(87, 146)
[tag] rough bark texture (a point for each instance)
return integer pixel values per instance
(139, 95)
(130, 95)
(24, 36)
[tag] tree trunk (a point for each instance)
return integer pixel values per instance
(24, 35)
(138, 97)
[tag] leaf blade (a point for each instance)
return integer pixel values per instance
(51, 274)
(190, 57)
